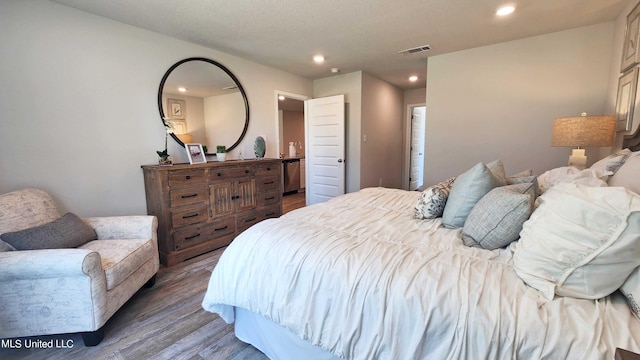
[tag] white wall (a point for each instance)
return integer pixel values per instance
(616, 59)
(351, 86)
(499, 101)
(194, 119)
(78, 104)
(381, 155)
(217, 112)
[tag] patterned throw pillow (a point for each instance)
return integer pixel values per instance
(433, 199)
(631, 290)
(69, 231)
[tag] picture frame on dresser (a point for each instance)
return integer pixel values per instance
(626, 99)
(195, 153)
(630, 53)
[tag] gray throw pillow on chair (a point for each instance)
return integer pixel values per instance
(69, 231)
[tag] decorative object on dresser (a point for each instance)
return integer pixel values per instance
(221, 152)
(259, 147)
(195, 152)
(583, 131)
(205, 206)
(164, 158)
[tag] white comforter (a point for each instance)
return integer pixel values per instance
(359, 277)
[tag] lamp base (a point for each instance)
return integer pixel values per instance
(578, 159)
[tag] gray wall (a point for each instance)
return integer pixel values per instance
(78, 107)
(499, 101)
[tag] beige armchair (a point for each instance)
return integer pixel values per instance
(70, 290)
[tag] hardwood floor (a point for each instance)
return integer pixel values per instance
(163, 322)
(293, 201)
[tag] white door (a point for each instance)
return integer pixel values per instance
(416, 173)
(325, 148)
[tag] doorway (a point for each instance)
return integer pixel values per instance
(416, 123)
(291, 140)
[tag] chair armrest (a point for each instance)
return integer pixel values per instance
(124, 227)
(50, 263)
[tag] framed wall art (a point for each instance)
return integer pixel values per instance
(630, 53)
(195, 153)
(177, 109)
(626, 99)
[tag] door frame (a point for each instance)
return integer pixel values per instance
(407, 144)
(278, 120)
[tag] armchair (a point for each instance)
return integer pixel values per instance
(69, 290)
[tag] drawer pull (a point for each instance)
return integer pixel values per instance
(188, 196)
(222, 228)
(269, 182)
(219, 174)
(271, 214)
(268, 169)
(235, 197)
(250, 220)
(190, 216)
(270, 198)
(192, 237)
(246, 171)
(188, 177)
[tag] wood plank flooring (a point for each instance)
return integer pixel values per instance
(164, 322)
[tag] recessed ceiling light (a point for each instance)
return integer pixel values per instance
(318, 58)
(505, 10)
(281, 97)
(413, 78)
(182, 89)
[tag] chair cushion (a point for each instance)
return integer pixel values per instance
(121, 258)
(23, 209)
(68, 231)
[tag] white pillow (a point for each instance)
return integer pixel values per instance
(571, 174)
(631, 290)
(628, 175)
(581, 242)
(610, 164)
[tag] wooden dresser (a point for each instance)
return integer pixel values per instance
(202, 207)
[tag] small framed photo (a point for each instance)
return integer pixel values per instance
(195, 154)
(177, 109)
(630, 51)
(626, 99)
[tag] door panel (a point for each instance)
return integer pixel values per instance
(325, 139)
(416, 173)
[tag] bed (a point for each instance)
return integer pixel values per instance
(359, 277)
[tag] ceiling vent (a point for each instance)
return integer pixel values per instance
(415, 50)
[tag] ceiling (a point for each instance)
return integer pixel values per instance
(352, 34)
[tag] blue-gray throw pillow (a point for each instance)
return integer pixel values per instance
(468, 189)
(497, 218)
(69, 231)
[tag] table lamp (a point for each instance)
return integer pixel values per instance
(583, 131)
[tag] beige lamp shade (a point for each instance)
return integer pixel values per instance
(185, 138)
(584, 131)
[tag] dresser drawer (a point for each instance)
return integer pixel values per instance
(186, 177)
(269, 169)
(189, 215)
(268, 183)
(194, 235)
(268, 198)
(187, 196)
(270, 212)
(231, 173)
(248, 219)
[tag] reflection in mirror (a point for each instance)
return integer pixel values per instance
(205, 103)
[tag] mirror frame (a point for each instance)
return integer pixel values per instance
(228, 72)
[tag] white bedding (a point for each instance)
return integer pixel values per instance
(360, 277)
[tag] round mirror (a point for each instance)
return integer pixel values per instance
(205, 104)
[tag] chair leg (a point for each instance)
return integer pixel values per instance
(93, 338)
(151, 282)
